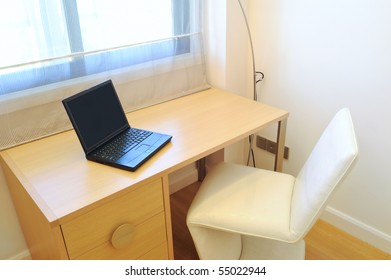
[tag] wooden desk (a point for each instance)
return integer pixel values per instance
(71, 208)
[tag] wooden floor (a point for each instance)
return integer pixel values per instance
(324, 241)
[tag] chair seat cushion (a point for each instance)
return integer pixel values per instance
(244, 200)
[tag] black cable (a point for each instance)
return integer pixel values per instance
(261, 78)
(251, 152)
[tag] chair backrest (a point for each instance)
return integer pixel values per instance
(327, 164)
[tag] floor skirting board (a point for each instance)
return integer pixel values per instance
(183, 178)
(358, 229)
(24, 255)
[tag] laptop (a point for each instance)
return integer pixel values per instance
(104, 132)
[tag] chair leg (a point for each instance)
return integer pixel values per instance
(266, 249)
(215, 244)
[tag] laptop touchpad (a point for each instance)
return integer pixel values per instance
(143, 148)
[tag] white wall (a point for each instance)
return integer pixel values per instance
(320, 56)
(12, 244)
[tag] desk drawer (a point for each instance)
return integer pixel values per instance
(96, 227)
(157, 253)
(148, 241)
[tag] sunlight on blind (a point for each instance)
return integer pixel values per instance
(37, 30)
(30, 32)
(123, 22)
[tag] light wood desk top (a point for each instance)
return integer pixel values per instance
(63, 183)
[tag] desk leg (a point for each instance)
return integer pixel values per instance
(167, 210)
(281, 133)
(201, 166)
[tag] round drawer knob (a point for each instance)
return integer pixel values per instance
(122, 236)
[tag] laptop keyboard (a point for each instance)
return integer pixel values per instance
(122, 144)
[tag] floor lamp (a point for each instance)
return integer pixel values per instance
(257, 77)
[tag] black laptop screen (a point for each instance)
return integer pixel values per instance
(96, 115)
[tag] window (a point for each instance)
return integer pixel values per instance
(48, 41)
(152, 50)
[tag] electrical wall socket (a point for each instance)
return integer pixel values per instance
(270, 146)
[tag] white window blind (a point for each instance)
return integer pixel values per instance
(52, 49)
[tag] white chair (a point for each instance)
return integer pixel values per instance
(243, 212)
